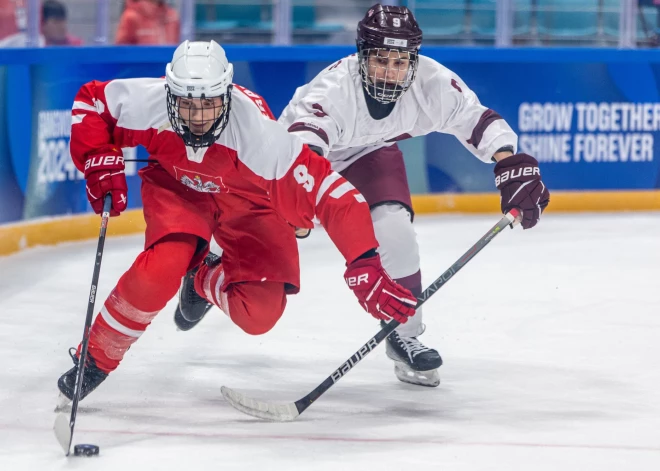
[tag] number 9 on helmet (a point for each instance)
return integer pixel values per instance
(199, 83)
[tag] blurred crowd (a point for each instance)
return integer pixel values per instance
(142, 22)
(148, 22)
(595, 23)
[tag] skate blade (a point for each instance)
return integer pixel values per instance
(429, 378)
(63, 403)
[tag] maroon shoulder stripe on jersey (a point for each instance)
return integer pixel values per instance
(400, 137)
(298, 126)
(484, 121)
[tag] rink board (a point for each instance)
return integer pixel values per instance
(19, 236)
(591, 117)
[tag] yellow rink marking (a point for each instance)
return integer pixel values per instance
(49, 231)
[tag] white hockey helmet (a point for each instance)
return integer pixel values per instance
(199, 69)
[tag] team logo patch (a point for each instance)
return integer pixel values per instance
(199, 181)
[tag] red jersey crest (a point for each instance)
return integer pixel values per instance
(200, 181)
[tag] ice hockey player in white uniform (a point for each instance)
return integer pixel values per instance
(355, 111)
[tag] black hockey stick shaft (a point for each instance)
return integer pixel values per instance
(105, 216)
(303, 403)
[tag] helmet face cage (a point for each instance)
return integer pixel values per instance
(379, 80)
(182, 129)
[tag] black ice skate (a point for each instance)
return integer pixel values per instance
(192, 307)
(414, 362)
(92, 377)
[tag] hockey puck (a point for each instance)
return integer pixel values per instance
(85, 450)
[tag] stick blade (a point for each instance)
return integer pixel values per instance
(260, 409)
(63, 404)
(62, 430)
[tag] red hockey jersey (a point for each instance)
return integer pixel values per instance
(254, 157)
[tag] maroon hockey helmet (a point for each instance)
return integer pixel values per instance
(388, 41)
(387, 26)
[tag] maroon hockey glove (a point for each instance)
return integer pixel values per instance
(377, 293)
(105, 174)
(519, 180)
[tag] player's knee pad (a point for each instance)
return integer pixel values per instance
(398, 248)
(155, 276)
(256, 306)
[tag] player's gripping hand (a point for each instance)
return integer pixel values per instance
(519, 180)
(105, 174)
(377, 293)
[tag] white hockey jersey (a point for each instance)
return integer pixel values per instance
(330, 112)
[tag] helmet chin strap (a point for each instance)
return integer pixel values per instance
(385, 90)
(377, 109)
(209, 136)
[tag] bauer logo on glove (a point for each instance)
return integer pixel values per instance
(107, 160)
(377, 293)
(517, 173)
(519, 180)
(105, 174)
(356, 280)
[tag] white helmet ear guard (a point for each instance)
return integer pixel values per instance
(199, 69)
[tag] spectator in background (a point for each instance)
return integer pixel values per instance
(54, 26)
(13, 18)
(148, 22)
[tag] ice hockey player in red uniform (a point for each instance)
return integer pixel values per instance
(224, 168)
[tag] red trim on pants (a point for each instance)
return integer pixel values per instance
(145, 288)
(254, 306)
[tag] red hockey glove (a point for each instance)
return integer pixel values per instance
(377, 293)
(105, 174)
(519, 180)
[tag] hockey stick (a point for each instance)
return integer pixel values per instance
(289, 411)
(63, 424)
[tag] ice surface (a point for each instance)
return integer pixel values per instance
(551, 342)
